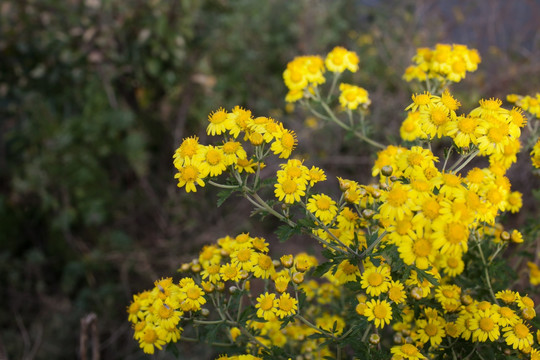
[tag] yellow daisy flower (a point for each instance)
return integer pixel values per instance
(376, 280)
(286, 306)
(380, 312)
(518, 336)
(267, 306)
(323, 207)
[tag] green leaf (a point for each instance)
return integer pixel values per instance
(322, 269)
(285, 232)
(224, 195)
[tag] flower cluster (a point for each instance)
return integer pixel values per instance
(413, 256)
(445, 63)
(305, 73)
(530, 104)
(489, 129)
(195, 161)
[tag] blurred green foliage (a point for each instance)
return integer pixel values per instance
(95, 95)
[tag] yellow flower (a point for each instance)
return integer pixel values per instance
(410, 129)
(289, 190)
(407, 351)
(284, 144)
(352, 96)
(189, 148)
(376, 280)
(263, 267)
(191, 174)
(535, 154)
(286, 306)
(219, 122)
(518, 336)
(150, 339)
(396, 292)
(340, 59)
(484, 325)
(267, 306)
(323, 207)
(315, 175)
(230, 272)
(431, 330)
(192, 297)
(380, 312)
(397, 202)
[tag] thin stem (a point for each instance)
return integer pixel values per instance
(486, 272)
(366, 333)
(334, 82)
(447, 157)
(311, 325)
(222, 186)
(471, 156)
(373, 245)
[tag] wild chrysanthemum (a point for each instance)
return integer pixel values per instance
(323, 207)
(397, 202)
(316, 175)
(407, 351)
(267, 306)
(191, 174)
(263, 267)
(535, 154)
(230, 272)
(286, 305)
(289, 190)
(376, 280)
(418, 250)
(284, 144)
(352, 96)
(396, 292)
(340, 59)
(192, 297)
(430, 330)
(150, 339)
(518, 336)
(244, 258)
(219, 122)
(186, 151)
(485, 325)
(380, 312)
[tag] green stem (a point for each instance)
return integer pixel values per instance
(469, 159)
(373, 245)
(311, 325)
(222, 186)
(334, 82)
(447, 157)
(486, 272)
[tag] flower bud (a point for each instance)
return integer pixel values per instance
(387, 170)
(205, 312)
(398, 338)
(505, 236)
(232, 289)
(298, 278)
(374, 339)
(368, 213)
(286, 261)
(243, 274)
(220, 286)
(196, 268)
(256, 139)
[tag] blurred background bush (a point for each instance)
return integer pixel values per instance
(95, 95)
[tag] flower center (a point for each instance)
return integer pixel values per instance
(456, 233)
(244, 255)
(285, 304)
(289, 186)
(415, 159)
(165, 312)
(218, 117)
(486, 324)
(193, 293)
(375, 279)
(150, 336)
(438, 116)
(323, 203)
(521, 331)
(397, 197)
(231, 147)
(431, 209)
(267, 303)
(380, 311)
(265, 262)
(190, 173)
(422, 248)
(467, 125)
(431, 330)
(409, 349)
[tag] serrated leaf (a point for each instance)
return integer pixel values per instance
(322, 269)
(285, 232)
(224, 195)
